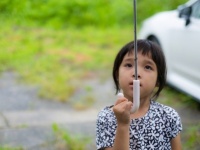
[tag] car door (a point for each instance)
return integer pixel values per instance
(186, 47)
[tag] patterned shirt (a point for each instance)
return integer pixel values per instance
(154, 131)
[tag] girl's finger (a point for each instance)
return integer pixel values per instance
(120, 100)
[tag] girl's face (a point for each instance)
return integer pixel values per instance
(147, 74)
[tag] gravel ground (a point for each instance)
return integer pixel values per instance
(26, 120)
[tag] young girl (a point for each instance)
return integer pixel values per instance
(154, 126)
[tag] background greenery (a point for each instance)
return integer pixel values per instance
(54, 44)
(79, 13)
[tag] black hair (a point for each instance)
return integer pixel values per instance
(146, 47)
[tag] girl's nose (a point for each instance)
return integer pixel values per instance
(138, 75)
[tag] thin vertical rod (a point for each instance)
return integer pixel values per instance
(135, 38)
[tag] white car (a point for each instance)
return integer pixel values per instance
(178, 34)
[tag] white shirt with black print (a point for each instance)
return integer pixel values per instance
(154, 131)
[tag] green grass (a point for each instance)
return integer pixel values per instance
(173, 97)
(10, 148)
(65, 140)
(56, 60)
(191, 137)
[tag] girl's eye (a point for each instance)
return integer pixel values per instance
(128, 65)
(148, 67)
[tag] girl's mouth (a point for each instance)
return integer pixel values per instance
(131, 84)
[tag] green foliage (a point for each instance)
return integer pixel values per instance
(147, 8)
(76, 142)
(62, 13)
(192, 136)
(57, 60)
(10, 148)
(170, 93)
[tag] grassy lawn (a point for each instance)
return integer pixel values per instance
(56, 60)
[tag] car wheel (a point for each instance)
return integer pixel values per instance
(154, 39)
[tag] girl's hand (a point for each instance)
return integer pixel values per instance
(122, 110)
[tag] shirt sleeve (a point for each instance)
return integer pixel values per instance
(174, 125)
(105, 129)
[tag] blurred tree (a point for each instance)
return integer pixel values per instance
(62, 13)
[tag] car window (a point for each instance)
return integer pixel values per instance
(196, 10)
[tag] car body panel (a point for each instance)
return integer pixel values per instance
(181, 45)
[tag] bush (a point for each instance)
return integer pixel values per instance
(62, 13)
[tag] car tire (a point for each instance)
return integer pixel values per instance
(154, 39)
